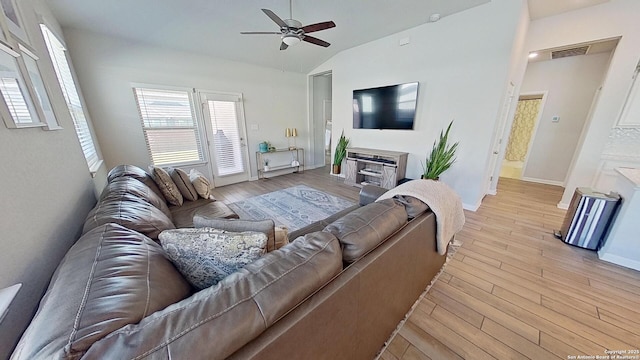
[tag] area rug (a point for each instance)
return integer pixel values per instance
(294, 207)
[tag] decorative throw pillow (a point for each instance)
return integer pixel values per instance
(266, 227)
(166, 185)
(182, 181)
(205, 256)
(282, 236)
(201, 184)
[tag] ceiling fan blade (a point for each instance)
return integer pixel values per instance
(283, 46)
(260, 32)
(319, 26)
(316, 41)
(274, 17)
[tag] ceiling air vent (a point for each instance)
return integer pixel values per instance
(569, 52)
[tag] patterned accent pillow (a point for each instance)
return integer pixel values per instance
(205, 256)
(201, 184)
(182, 181)
(166, 185)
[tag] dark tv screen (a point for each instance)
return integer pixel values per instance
(387, 107)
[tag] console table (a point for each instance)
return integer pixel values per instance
(297, 154)
(376, 167)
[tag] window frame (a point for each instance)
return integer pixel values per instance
(26, 92)
(200, 138)
(94, 162)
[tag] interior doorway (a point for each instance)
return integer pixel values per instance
(523, 130)
(320, 118)
(570, 77)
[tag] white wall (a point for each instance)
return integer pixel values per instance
(571, 84)
(46, 193)
(106, 67)
(462, 63)
(508, 106)
(578, 27)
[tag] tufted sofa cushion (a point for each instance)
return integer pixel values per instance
(136, 173)
(131, 212)
(219, 320)
(121, 186)
(363, 229)
(111, 277)
(412, 205)
(183, 215)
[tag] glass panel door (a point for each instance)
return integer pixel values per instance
(227, 140)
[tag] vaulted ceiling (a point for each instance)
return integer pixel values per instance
(212, 27)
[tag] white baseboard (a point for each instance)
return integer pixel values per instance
(492, 192)
(619, 260)
(473, 208)
(563, 206)
(543, 181)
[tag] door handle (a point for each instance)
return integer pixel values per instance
(495, 153)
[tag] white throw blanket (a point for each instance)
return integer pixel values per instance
(443, 201)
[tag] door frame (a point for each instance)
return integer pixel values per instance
(201, 96)
(495, 161)
(311, 119)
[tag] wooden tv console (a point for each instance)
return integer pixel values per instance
(377, 167)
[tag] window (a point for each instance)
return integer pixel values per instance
(18, 109)
(58, 55)
(169, 125)
(33, 72)
(12, 19)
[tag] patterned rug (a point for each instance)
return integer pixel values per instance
(294, 207)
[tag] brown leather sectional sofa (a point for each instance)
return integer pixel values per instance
(337, 293)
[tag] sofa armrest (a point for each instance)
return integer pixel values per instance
(370, 193)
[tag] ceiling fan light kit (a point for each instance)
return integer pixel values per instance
(292, 31)
(290, 39)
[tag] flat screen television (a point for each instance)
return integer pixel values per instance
(387, 107)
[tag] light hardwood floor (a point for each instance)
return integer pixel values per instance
(512, 291)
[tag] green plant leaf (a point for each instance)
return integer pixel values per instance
(341, 149)
(442, 156)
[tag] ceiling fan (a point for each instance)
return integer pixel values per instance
(292, 32)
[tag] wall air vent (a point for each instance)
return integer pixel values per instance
(582, 50)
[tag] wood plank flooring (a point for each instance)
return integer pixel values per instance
(512, 291)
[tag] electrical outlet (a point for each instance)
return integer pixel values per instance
(555, 118)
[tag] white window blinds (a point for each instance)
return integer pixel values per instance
(14, 92)
(169, 125)
(57, 52)
(15, 100)
(226, 137)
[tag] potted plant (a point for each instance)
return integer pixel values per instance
(266, 164)
(441, 158)
(341, 153)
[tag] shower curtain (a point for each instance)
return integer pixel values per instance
(522, 129)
